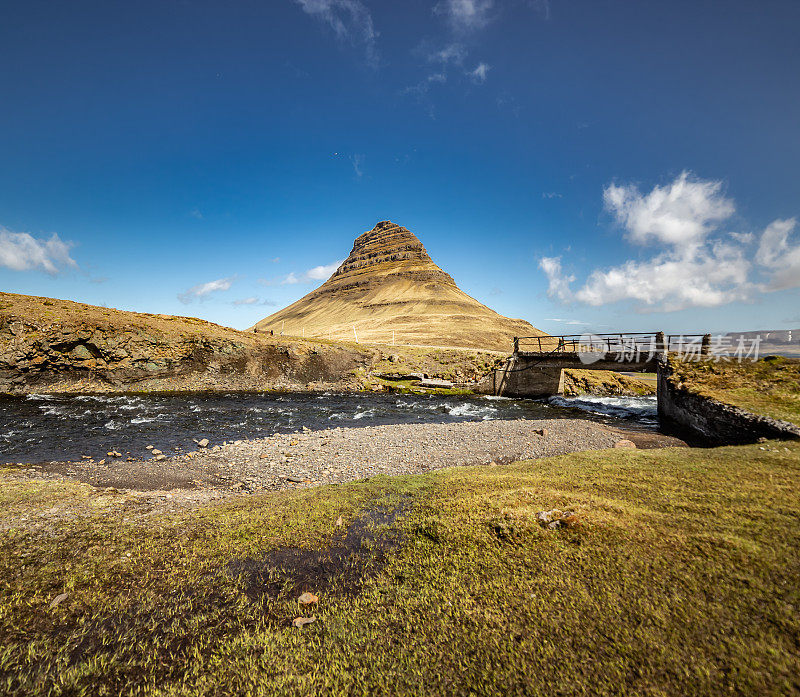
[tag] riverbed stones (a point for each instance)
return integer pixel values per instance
(202, 443)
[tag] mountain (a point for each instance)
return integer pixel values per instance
(389, 288)
(781, 342)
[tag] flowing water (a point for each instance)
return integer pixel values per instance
(642, 410)
(40, 428)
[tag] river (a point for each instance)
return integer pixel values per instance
(42, 428)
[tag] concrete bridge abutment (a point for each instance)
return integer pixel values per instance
(537, 375)
(516, 379)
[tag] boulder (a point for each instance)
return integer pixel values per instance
(435, 384)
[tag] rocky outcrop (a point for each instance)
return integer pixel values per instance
(57, 345)
(389, 290)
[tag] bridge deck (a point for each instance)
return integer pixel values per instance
(534, 369)
(605, 361)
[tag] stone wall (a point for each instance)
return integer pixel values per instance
(682, 411)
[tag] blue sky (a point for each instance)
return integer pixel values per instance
(583, 164)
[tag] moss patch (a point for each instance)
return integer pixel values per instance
(682, 577)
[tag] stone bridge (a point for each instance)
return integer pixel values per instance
(534, 368)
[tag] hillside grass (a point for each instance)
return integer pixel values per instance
(770, 386)
(604, 383)
(682, 577)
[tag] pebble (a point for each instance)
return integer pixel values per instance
(338, 455)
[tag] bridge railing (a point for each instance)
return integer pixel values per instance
(619, 342)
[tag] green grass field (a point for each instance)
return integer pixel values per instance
(682, 577)
(770, 386)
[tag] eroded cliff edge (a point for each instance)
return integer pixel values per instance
(58, 345)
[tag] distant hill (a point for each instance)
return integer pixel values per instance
(389, 287)
(782, 342)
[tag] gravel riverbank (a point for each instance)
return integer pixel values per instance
(338, 455)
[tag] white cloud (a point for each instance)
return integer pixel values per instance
(683, 212)
(202, 290)
(357, 161)
(743, 237)
(21, 251)
(692, 266)
(322, 273)
(465, 15)
(253, 300)
(452, 53)
(480, 72)
(349, 19)
(317, 273)
(711, 277)
(422, 87)
(558, 284)
(576, 322)
(778, 257)
(551, 194)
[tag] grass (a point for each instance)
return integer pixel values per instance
(682, 578)
(770, 386)
(604, 382)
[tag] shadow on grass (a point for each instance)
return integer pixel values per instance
(341, 569)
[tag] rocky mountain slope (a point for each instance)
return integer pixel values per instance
(390, 287)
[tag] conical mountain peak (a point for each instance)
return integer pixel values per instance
(389, 289)
(388, 249)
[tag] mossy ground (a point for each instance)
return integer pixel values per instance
(683, 577)
(604, 383)
(770, 386)
(408, 387)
